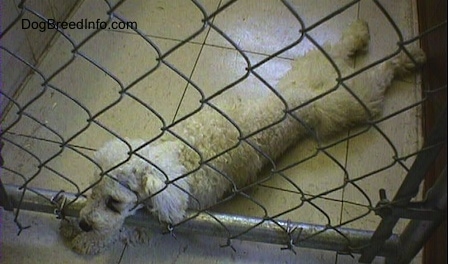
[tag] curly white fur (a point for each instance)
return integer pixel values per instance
(168, 176)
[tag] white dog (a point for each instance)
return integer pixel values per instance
(168, 176)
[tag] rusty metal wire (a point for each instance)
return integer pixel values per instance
(18, 110)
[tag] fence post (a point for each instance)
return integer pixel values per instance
(409, 187)
(418, 232)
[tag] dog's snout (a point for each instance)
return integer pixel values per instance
(85, 226)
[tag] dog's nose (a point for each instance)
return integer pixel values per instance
(85, 226)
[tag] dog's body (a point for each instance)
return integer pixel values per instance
(169, 175)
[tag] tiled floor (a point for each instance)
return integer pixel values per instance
(260, 28)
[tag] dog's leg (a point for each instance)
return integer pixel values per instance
(316, 72)
(404, 64)
(360, 98)
(354, 39)
(378, 80)
(135, 235)
(170, 201)
(93, 243)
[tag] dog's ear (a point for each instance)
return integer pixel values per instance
(169, 201)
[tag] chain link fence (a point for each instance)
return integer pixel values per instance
(52, 123)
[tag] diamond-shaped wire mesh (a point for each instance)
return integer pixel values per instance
(77, 96)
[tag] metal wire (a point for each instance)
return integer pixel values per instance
(293, 235)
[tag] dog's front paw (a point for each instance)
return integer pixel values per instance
(90, 243)
(135, 236)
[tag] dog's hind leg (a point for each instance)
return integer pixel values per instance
(360, 98)
(404, 63)
(354, 39)
(372, 84)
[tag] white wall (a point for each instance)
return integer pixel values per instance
(28, 44)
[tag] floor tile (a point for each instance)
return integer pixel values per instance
(169, 20)
(82, 90)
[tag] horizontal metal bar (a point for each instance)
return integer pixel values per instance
(212, 224)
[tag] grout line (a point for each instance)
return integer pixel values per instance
(346, 151)
(203, 44)
(125, 247)
(190, 78)
(192, 71)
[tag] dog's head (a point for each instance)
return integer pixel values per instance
(109, 203)
(135, 184)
